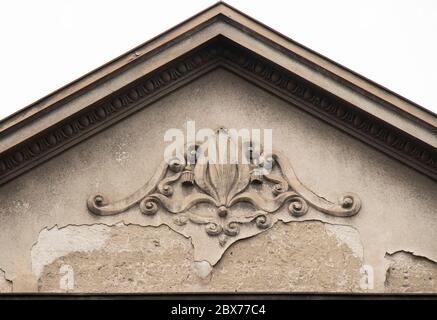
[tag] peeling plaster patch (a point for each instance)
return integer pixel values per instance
(410, 273)
(133, 259)
(300, 256)
(202, 268)
(291, 257)
(57, 242)
(5, 284)
(349, 236)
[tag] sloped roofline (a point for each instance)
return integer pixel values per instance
(398, 101)
(401, 128)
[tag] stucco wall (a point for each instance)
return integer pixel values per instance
(49, 241)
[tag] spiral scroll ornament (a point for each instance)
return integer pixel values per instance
(222, 187)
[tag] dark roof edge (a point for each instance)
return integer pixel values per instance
(21, 116)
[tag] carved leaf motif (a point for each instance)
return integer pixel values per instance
(222, 179)
(202, 180)
(218, 176)
(242, 181)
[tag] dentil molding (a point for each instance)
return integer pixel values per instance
(219, 52)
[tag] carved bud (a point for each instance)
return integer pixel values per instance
(347, 202)
(187, 177)
(256, 177)
(222, 211)
(176, 165)
(98, 200)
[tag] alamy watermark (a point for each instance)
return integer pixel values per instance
(220, 146)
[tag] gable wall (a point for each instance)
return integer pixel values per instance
(47, 233)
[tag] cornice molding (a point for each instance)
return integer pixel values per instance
(223, 52)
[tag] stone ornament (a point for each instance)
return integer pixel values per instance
(218, 204)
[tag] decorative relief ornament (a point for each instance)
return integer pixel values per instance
(217, 204)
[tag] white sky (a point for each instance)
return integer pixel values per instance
(46, 44)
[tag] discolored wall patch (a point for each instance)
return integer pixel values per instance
(410, 274)
(296, 257)
(132, 259)
(58, 242)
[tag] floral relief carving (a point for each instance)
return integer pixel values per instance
(224, 198)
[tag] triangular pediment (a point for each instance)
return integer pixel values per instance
(289, 166)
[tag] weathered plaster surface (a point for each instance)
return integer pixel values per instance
(409, 273)
(398, 212)
(132, 259)
(348, 236)
(294, 257)
(299, 256)
(59, 242)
